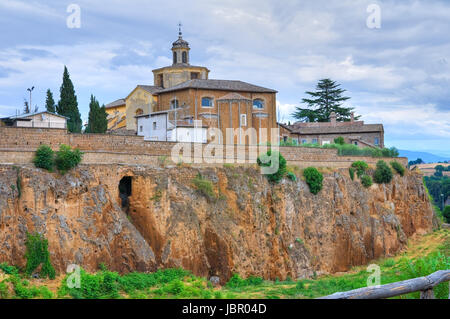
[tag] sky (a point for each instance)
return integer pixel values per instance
(392, 58)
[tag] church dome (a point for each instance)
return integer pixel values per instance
(180, 43)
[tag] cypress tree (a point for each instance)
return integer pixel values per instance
(97, 122)
(68, 105)
(50, 102)
(326, 99)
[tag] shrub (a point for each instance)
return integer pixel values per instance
(314, 179)
(265, 160)
(446, 213)
(237, 282)
(398, 167)
(36, 254)
(7, 269)
(366, 180)
(204, 186)
(351, 171)
(4, 291)
(383, 174)
(66, 158)
(390, 152)
(44, 157)
(360, 167)
(339, 140)
(291, 176)
(426, 266)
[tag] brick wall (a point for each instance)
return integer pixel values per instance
(17, 146)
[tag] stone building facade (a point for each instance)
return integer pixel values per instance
(187, 93)
(354, 132)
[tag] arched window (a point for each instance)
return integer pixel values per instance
(139, 112)
(184, 56)
(174, 104)
(258, 104)
(207, 102)
(174, 58)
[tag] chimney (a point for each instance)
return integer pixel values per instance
(353, 117)
(333, 118)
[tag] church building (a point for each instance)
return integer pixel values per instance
(186, 94)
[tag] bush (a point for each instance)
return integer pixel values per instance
(390, 152)
(44, 157)
(292, 176)
(265, 160)
(360, 167)
(351, 171)
(237, 282)
(426, 266)
(4, 291)
(398, 167)
(66, 158)
(339, 140)
(446, 214)
(9, 270)
(204, 186)
(314, 179)
(36, 254)
(383, 174)
(366, 181)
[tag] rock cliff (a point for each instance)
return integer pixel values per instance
(247, 226)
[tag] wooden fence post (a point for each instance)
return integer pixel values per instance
(427, 294)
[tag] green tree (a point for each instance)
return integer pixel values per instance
(327, 98)
(383, 173)
(446, 214)
(68, 105)
(50, 102)
(97, 122)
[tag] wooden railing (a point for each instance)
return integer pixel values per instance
(423, 284)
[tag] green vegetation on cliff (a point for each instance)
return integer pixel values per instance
(424, 256)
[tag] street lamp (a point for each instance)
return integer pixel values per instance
(30, 90)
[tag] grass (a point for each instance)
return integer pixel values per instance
(424, 255)
(204, 186)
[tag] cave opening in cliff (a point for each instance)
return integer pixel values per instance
(125, 192)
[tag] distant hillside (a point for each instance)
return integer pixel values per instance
(426, 157)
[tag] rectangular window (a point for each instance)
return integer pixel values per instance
(194, 75)
(207, 102)
(141, 129)
(154, 125)
(304, 141)
(314, 140)
(243, 119)
(377, 141)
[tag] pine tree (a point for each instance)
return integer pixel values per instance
(50, 102)
(68, 105)
(326, 99)
(97, 122)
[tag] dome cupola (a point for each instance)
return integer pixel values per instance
(180, 49)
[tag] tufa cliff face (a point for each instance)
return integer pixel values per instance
(249, 226)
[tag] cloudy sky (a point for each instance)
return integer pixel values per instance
(398, 74)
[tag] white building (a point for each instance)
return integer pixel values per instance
(157, 127)
(42, 119)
